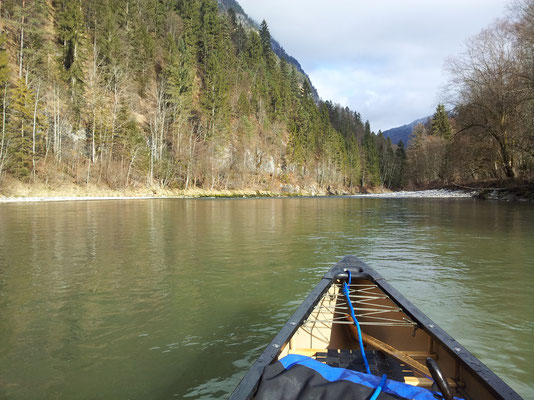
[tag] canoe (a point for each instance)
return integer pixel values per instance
(318, 352)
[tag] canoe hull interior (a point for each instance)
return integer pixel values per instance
(392, 328)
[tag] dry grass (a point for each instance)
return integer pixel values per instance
(61, 186)
(12, 189)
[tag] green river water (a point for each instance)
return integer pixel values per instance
(164, 299)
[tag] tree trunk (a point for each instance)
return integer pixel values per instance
(116, 101)
(506, 159)
(3, 149)
(94, 95)
(34, 128)
(4, 101)
(93, 146)
(130, 166)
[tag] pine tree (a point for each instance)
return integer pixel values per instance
(19, 130)
(109, 47)
(189, 10)
(440, 123)
(71, 34)
(180, 72)
(400, 155)
(285, 86)
(254, 49)
(265, 36)
(372, 163)
(352, 161)
(214, 62)
(36, 47)
(238, 33)
(243, 105)
(142, 54)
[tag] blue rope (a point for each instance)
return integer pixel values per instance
(346, 292)
(379, 388)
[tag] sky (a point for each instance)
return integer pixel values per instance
(382, 58)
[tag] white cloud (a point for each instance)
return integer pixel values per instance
(383, 59)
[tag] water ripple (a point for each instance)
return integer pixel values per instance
(177, 298)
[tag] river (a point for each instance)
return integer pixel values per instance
(164, 299)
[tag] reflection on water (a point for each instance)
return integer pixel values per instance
(176, 298)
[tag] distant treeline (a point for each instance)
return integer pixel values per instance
(491, 92)
(169, 93)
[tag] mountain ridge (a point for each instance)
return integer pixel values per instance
(402, 133)
(278, 49)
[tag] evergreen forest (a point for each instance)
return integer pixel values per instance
(169, 93)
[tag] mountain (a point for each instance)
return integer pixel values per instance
(403, 132)
(226, 5)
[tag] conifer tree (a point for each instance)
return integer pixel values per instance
(400, 155)
(372, 163)
(189, 10)
(238, 33)
(107, 37)
(20, 129)
(254, 49)
(285, 85)
(265, 36)
(180, 76)
(267, 51)
(214, 62)
(71, 34)
(440, 123)
(142, 53)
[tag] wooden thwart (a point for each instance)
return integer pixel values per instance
(424, 382)
(386, 348)
(420, 354)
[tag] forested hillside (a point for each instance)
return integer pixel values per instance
(232, 6)
(168, 93)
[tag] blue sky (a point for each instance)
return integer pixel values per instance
(382, 58)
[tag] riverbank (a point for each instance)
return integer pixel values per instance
(12, 190)
(514, 193)
(427, 194)
(92, 193)
(17, 191)
(420, 194)
(39, 193)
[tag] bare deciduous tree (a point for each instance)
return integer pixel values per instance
(491, 90)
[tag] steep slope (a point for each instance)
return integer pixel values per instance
(225, 5)
(168, 95)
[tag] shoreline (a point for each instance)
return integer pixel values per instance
(14, 191)
(205, 194)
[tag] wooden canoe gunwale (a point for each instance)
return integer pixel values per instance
(360, 270)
